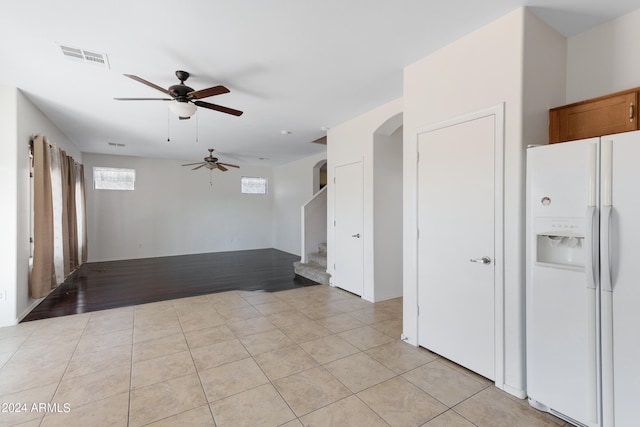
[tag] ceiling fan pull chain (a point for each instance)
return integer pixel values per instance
(168, 120)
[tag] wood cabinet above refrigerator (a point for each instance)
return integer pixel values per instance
(604, 115)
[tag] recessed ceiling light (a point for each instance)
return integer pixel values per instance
(324, 128)
(285, 132)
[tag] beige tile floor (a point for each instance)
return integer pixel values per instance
(314, 356)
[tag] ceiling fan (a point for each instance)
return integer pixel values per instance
(185, 98)
(211, 163)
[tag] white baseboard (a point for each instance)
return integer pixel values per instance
(14, 322)
(28, 309)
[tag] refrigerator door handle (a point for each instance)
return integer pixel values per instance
(591, 273)
(591, 247)
(607, 282)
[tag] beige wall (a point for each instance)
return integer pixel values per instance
(9, 213)
(349, 142)
(604, 59)
(482, 70)
(20, 119)
(292, 188)
(174, 210)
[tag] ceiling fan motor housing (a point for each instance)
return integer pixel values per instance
(179, 92)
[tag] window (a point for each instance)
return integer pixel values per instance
(113, 178)
(252, 185)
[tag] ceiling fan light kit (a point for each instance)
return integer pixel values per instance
(183, 109)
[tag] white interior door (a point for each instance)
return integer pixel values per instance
(349, 256)
(456, 215)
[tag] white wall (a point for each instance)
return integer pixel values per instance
(19, 120)
(387, 215)
(9, 264)
(174, 211)
(604, 59)
(350, 142)
(481, 70)
(292, 188)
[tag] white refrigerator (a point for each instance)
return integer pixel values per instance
(583, 280)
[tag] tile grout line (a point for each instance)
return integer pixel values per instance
(195, 366)
(264, 373)
(68, 363)
(133, 335)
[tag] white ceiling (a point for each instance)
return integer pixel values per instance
(296, 65)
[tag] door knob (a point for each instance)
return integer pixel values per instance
(483, 260)
(356, 235)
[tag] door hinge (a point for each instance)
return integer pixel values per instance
(418, 160)
(418, 233)
(418, 310)
(334, 267)
(334, 222)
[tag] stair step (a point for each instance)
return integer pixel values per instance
(322, 247)
(319, 258)
(312, 271)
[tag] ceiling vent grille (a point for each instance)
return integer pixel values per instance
(83, 55)
(113, 144)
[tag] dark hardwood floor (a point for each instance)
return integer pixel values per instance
(102, 285)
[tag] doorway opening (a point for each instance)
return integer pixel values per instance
(387, 209)
(319, 176)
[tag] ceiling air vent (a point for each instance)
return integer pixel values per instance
(83, 55)
(113, 144)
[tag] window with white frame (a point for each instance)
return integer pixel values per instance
(113, 178)
(254, 185)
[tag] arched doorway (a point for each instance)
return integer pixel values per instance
(387, 209)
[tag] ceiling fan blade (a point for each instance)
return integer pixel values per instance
(204, 93)
(228, 164)
(198, 167)
(191, 164)
(222, 168)
(218, 108)
(143, 81)
(143, 99)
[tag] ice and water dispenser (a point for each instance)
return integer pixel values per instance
(560, 242)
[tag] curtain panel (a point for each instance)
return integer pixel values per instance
(59, 215)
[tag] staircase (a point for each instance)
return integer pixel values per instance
(315, 269)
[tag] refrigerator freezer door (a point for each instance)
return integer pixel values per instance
(562, 316)
(621, 303)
